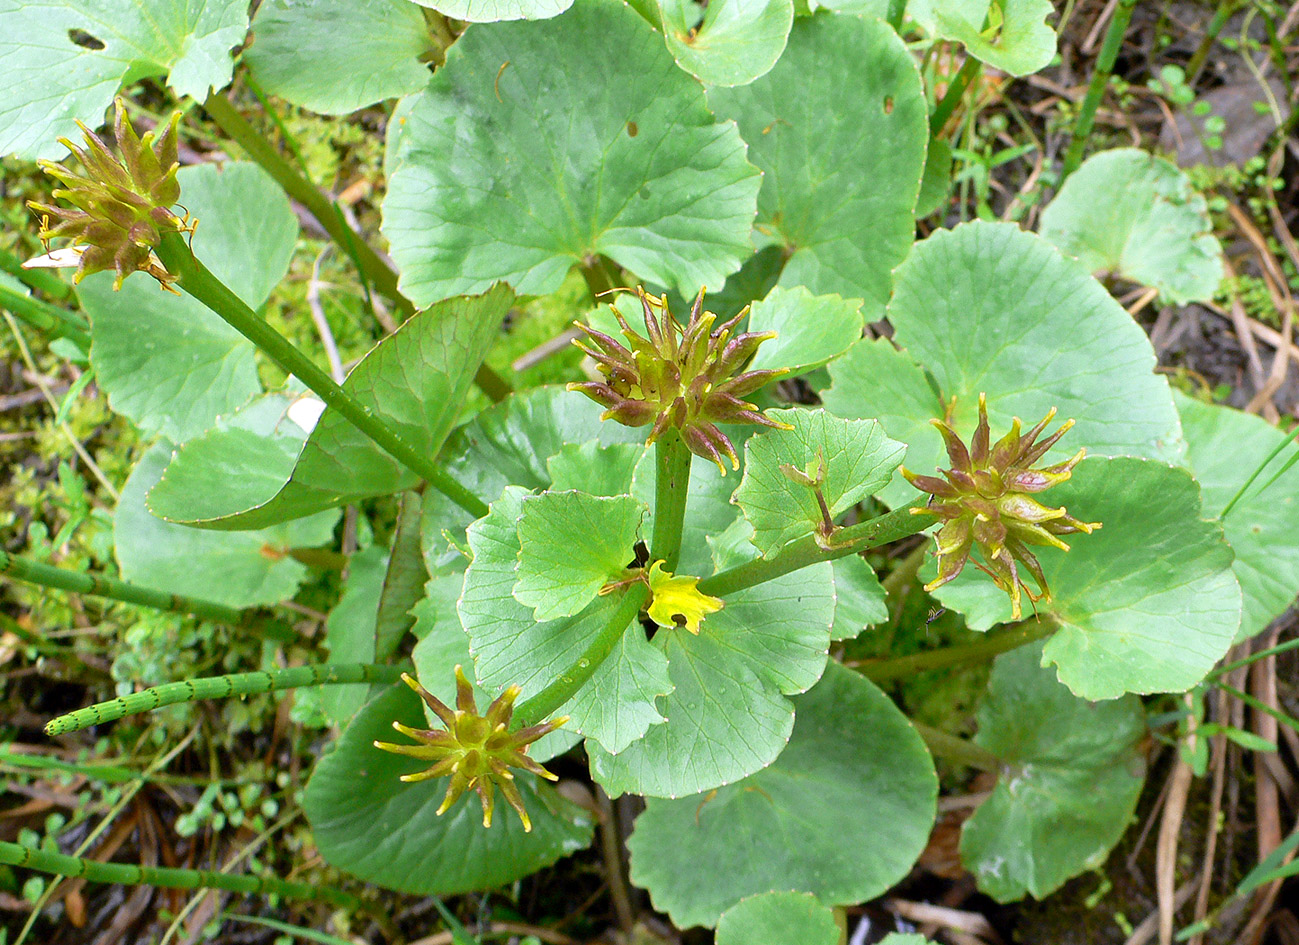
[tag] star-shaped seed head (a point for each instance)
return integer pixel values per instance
(678, 597)
(985, 501)
(121, 204)
(684, 378)
(477, 751)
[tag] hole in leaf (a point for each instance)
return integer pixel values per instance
(888, 104)
(84, 39)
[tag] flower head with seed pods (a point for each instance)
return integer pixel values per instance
(682, 378)
(122, 204)
(477, 751)
(985, 501)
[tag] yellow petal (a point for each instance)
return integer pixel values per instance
(678, 597)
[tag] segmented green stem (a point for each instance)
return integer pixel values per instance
(44, 316)
(41, 279)
(959, 750)
(545, 703)
(955, 92)
(125, 874)
(672, 485)
(1082, 128)
(372, 265)
(198, 281)
(1010, 637)
(222, 687)
(97, 585)
(804, 552)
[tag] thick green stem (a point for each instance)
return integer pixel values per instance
(545, 703)
(41, 279)
(952, 97)
(222, 687)
(326, 213)
(97, 585)
(804, 552)
(672, 485)
(125, 874)
(1220, 17)
(1008, 638)
(960, 750)
(44, 316)
(194, 278)
(1082, 128)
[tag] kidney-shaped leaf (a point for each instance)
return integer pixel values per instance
(1010, 35)
(241, 569)
(1224, 447)
(778, 918)
(856, 456)
(1072, 773)
(843, 813)
(1136, 214)
(335, 56)
(810, 329)
(735, 41)
(370, 824)
(846, 229)
(1148, 603)
(65, 59)
(166, 361)
(490, 11)
(416, 379)
(536, 146)
(988, 308)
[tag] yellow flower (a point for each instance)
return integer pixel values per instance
(677, 601)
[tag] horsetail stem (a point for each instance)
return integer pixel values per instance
(126, 874)
(221, 687)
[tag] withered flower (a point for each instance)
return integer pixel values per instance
(121, 206)
(477, 751)
(682, 378)
(985, 501)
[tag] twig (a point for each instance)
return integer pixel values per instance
(1166, 845)
(972, 923)
(322, 323)
(544, 350)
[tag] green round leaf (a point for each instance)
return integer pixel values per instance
(736, 41)
(1073, 771)
(534, 147)
(66, 59)
(1148, 603)
(843, 813)
(856, 456)
(489, 11)
(846, 229)
(810, 329)
(370, 824)
(778, 918)
(728, 715)
(416, 378)
(350, 630)
(511, 648)
(1136, 214)
(859, 598)
(166, 361)
(239, 569)
(988, 308)
(335, 56)
(1224, 447)
(1019, 41)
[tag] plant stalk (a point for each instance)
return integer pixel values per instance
(897, 9)
(960, 750)
(952, 97)
(1008, 638)
(326, 213)
(97, 585)
(803, 552)
(221, 687)
(45, 317)
(41, 279)
(125, 874)
(545, 703)
(671, 489)
(198, 281)
(1109, 53)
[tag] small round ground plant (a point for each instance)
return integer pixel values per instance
(659, 566)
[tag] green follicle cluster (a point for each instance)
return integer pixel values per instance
(688, 378)
(985, 501)
(121, 204)
(477, 751)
